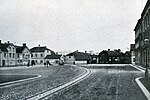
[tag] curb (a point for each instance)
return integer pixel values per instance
(138, 68)
(18, 81)
(142, 87)
(59, 88)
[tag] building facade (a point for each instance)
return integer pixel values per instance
(132, 51)
(22, 55)
(77, 58)
(53, 59)
(142, 33)
(39, 53)
(7, 54)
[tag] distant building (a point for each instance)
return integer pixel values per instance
(114, 57)
(53, 59)
(77, 58)
(39, 53)
(126, 57)
(103, 57)
(7, 54)
(94, 59)
(23, 54)
(132, 50)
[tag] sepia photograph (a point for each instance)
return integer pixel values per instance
(74, 49)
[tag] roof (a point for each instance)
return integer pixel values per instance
(3, 47)
(40, 49)
(114, 53)
(19, 49)
(53, 56)
(80, 56)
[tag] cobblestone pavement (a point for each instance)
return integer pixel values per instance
(105, 83)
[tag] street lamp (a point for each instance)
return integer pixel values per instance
(146, 41)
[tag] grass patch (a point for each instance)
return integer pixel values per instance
(10, 78)
(146, 83)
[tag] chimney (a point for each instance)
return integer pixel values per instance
(39, 45)
(85, 51)
(108, 49)
(24, 44)
(0, 41)
(8, 42)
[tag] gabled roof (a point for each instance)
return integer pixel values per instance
(19, 49)
(40, 49)
(80, 56)
(114, 53)
(3, 47)
(53, 56)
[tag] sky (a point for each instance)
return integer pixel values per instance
(61, 25)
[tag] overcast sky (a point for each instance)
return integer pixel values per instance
(70, 24)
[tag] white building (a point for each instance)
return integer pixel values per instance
(7, 54)
(53, 59)
(39, 53)
(77, 58)
(23, 54)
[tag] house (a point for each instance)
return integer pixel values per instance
(127, 57)
(110, 57)
(53, 59)
(114, 57)
(3, 55)
(77, 58)
(94, 59)
(23, 54)
(39, 53)
(103, 57)
(7, 54)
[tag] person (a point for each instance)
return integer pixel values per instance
(28, 64)
(44, 63)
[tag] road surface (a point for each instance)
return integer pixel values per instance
(105, 83)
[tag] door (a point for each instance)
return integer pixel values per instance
(3, 62)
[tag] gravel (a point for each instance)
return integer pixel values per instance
(113, 83)
(52, 77)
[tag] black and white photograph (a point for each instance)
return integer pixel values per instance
(74, 49)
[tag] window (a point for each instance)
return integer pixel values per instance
(35, 55)
(4, 55)
(13, 55)
(23, 55)
(13, 49)
(9, 48)
(41, 61)
(133, 59)
(18, 56)
(41, 55)
(47, 51)
(10, 55)
(69, 56)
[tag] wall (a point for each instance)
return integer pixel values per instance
(69, 59)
